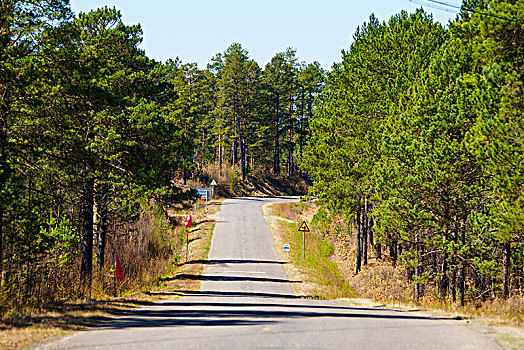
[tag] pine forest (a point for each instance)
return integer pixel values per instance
(413, 141)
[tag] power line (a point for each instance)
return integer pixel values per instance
(419, 2)
(462, 8)
(445, 4)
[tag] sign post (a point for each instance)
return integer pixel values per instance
(213, 184)
(204, 194)
(303, 228)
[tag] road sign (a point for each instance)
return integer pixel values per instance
(287, 248)
(213, 184)
(303, 227)
(204, 193)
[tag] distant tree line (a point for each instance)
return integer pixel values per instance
(91, 129)
(418, 141)
(247, 117)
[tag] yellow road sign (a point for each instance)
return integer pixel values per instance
(303, 227)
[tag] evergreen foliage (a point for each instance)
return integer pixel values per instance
(418, 140)
(92, 131)
(415, 138)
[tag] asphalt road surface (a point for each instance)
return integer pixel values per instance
(247, 301)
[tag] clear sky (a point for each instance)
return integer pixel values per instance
(195, 30)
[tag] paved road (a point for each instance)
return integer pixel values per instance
(246, 301)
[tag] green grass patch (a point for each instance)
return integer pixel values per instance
(316, 265)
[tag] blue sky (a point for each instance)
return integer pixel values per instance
(195, 30)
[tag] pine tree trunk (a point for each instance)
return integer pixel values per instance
(242, 151)
(1, 245)
(220, 156)
(359, 249)
(370, 227)
(87, 226)
(364, 234)
(289, 169)
(240, 140)
(4, 173)
(443, 285)
(276, 150)
(393, 251)
(102, 224)
(301, 129)
(310, 110)
(506, 257)
(453, 284)
(434, 266)
(234, 148)
(461, 278)
(418, 273)
(204, 146)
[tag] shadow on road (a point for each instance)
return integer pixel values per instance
(227, 294)
(71, 315)
(233, 314)
(228, 278)
(221, 262)
(259, 305)
(251, 199)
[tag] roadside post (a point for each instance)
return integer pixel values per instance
(188, 224)
(303, 228)
(213, 184)
(196, 204)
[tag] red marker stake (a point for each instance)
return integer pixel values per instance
(188, 224)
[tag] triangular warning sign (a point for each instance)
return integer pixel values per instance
(303, 227)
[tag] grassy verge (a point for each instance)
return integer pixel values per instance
(320, 276)
(35, 325)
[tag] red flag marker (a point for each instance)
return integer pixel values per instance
(188, 224)
(118, 269)
(189, 221)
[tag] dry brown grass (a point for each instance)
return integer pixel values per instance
(381, 282)
(511, 309)
(21, 328)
